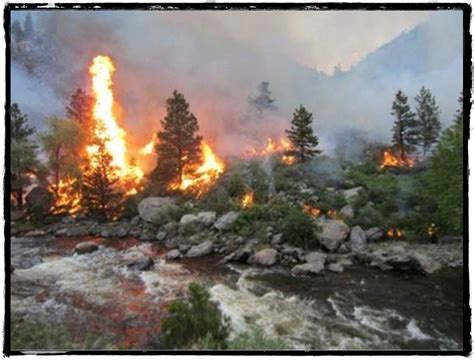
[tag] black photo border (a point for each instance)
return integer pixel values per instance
(211, 6)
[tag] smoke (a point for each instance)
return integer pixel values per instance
(218, 59)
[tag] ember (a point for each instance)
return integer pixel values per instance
(248, 200)
(67, 198)
(311, 211)
(394, 233)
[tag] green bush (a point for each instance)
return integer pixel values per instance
(256, 340)
(193, 319)
(236, 185)
(38, 335)
(299, 230)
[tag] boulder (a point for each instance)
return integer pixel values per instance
(316, 257)
(200, 250)
(347, 212)
(140, 263)
(333, 233)
(240, 255)
(344, 248)
(226, 221)
(192, 223)
(374, 234)
(294, 253)
(160, 236)
(206, 219)
(277, 239)
(173, 254)
(265, 257)
(335, 267)
(39, 201)
(86, 247)
(358, 239)
(157, 210)
(313, 268)
(35, 233)
(350, 194)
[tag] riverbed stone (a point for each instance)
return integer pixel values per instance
(140, 263)
(35, 233)
(374, 234)
(316, 257)
(313, 268)
(202, 249)
(333, 233)
(173, 254)
(265, 257)
(157, 210)
(160, 236)
(358, 239)
(86, 247)
(335, 267)
(226, 221)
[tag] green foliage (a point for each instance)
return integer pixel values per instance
(193, 319)
(405, 136)
(299, 230)
(301, 134)
(428, 124)
(236, 185)
(37, 335)
(256, 340)
(445, 178)
(178, 147)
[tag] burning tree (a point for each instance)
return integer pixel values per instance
(404, 130)
(301, 134)
(178, 147)
(24, 160)
(101, 196)
(428, 122)
(81, 108)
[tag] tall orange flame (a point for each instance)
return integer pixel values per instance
(393, 160)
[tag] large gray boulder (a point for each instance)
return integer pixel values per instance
(266, 257)
(157, 210)
(200, 250)
(316, 257)
(226, 221)
(313, 268)
(333, 233)
(374, 234)
(350, 194)
(173, 254)
(358, 239)
(192, 223)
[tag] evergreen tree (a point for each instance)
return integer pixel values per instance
(24, 162)
(17, 32)
(428, 123)
(178, 145)
(263, 101)
(301, 134)
(28, 27)
(445, 178)
(100, 196)
(81, 108)
(404, 130)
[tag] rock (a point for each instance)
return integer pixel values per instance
(35, 233)
(294, 252)
(277, 238)
(206, 219)
(333, 233)
(363, 258)
(450, 239)
(146, 237)
(200, 250)
(157, 210)
(335, 267)
(316, 257)
(426, 263)
(39, 201)
(160, 236)
(347, 212)
(141, 263)
(173, 254)
(240, 255)
(16, 215)
(86, 247)
(135, 221)
(183, 248)
(170, 244)
(358, 239)
(314, 268)
(265, 257)
(344, 248)
(226, 221)
(350, 194)
(193, 223)
(374, 234)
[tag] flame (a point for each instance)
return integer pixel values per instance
(270, 148)
(311, 211)
(395, 161)
(148, 149)
(333, 214)
(205, 176)
(288, 159)
(394, 233)
(67, 199)
(106, 127)
(248, 200)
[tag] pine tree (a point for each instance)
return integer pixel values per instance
(404, 130)
(28, 27)
(428, 123)
(263, 101)
(81, 107)
(301, 134)
(178, 145)
(24, 162)
(100, 196)
(17, 31)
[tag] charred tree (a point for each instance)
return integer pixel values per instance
(301, 134)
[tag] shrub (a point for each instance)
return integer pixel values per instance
(299, 230)
(256, 340)
(193, 319)
(38, 335)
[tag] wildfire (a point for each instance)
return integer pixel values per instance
(274, 147)
(395, 161)
(311, 211)
(66, 198)
(205, 175)
(288, 159)
(106, 127)
(148, 149)
(248, 200)
(394, 233)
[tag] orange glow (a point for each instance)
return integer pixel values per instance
(148, 149)
(311, 211)
(106, 127)
(288, 159)
(204, 177)
(67, 199)
(394, 233)
(333, 214)
(270, 148)
(248, 200)
(395, 161)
